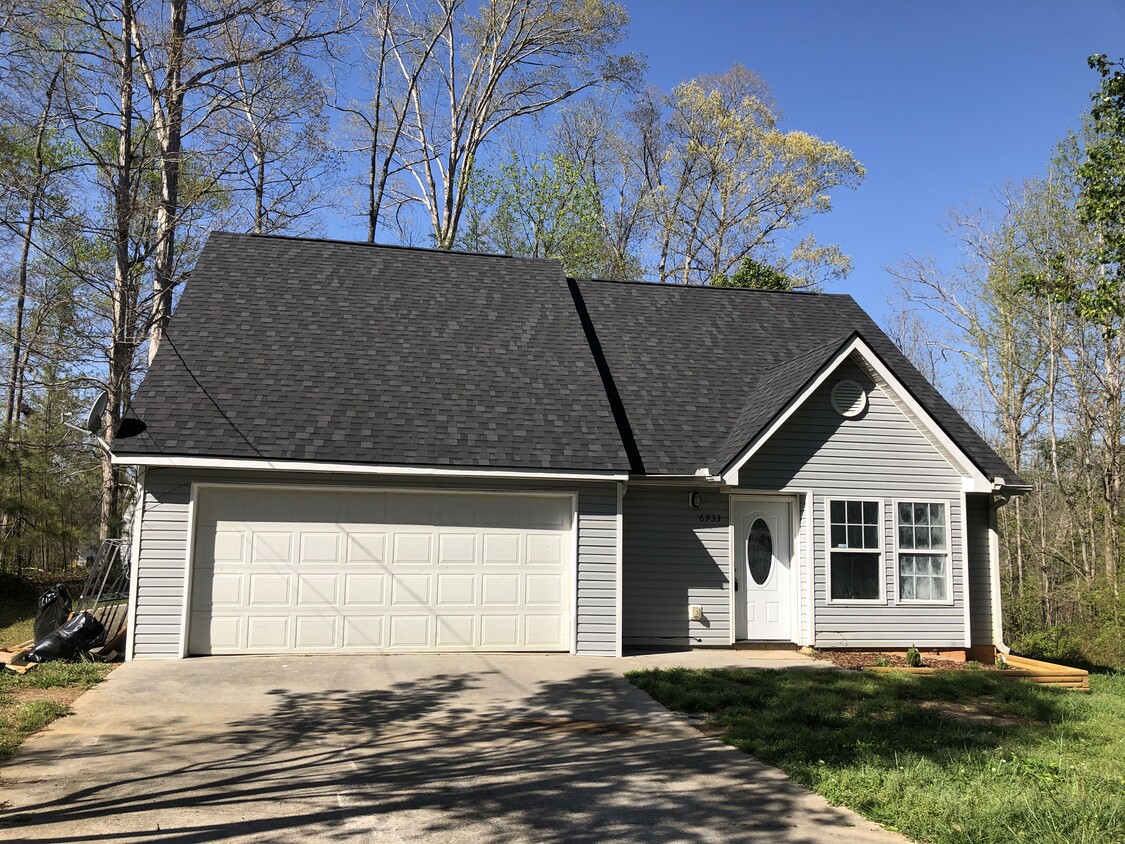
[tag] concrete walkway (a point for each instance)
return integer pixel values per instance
(479, 748)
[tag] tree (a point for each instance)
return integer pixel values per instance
(274, 137)
(754, 274)
(1097, 295)
(726, 182)
(543, 208)
(469, 72)
(180, 58)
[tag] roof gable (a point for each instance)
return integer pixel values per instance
(855, 348)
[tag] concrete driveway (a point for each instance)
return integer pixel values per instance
(479, 748)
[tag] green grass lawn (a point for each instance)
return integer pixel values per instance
(30, 702)
(954, 757)
(17, 621)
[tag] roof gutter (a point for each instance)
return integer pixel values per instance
(248, 464)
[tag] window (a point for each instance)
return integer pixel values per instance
(856, 561)
(923, 551)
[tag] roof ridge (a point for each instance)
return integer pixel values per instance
(663, 286)
(368, 245)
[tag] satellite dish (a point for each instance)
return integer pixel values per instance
(97, 410)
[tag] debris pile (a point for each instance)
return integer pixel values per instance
(65, 632)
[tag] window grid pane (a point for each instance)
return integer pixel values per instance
(923, 577)
(921, 526)
(854, 525)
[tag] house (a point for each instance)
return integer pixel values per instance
(355, 448)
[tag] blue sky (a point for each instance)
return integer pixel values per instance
(941, 101)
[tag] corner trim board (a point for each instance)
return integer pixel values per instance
(135, 566)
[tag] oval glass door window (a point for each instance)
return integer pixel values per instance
(759, 551)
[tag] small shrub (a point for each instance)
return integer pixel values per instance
(973, 665)
(913, 658)
(881, 661)
(1058, 644)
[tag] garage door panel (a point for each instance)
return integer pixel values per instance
(412, 548)
(410, 631)
(455, 631)
(227, 546)
(457, 549)
(308, 571)
(316, 632)
(269, 589)
(272, 547)
(542, 630)
(500, 632)
(366, 547)
(320, 548)
(543, 589)
(456, 589)
(410, 590)
(267, 632)
(544, 549)
(500, 589)
(363, 632)
(317, 589)
(501, 549)
(362, 590)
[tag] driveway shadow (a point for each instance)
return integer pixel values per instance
(587, 759)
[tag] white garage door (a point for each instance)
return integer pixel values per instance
(314, 571)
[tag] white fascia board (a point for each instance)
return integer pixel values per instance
(973, 479)
(183, 462)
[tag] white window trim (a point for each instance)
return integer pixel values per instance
(882, 552)
(915, 602)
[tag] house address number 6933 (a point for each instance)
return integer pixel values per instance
(711, 518)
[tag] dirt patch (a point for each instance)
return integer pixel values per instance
(871, 659)
(65, 696)
(978, 713)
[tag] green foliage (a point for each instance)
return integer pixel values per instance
(1094, 287)
(913, 658)
(881, 661)
(542, 208)
(756, 275)
(954, 757)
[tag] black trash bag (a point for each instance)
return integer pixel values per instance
(54, 610)
(78, 635)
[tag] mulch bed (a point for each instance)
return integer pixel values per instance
(869, 659)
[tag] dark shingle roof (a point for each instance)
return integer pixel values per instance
(292, 349)
(313, 350)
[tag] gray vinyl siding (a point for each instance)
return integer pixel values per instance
(163, 554)
(980, 571)
(671, 561)
(162, 566)
(597, 571)
(879, 455)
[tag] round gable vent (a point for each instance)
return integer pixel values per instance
(848, 398)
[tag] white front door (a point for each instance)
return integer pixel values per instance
(763, 569)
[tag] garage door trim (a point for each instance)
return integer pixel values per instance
(199, 486)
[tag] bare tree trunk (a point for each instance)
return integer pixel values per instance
(169, 131)
(17, 374)
(121, 347)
